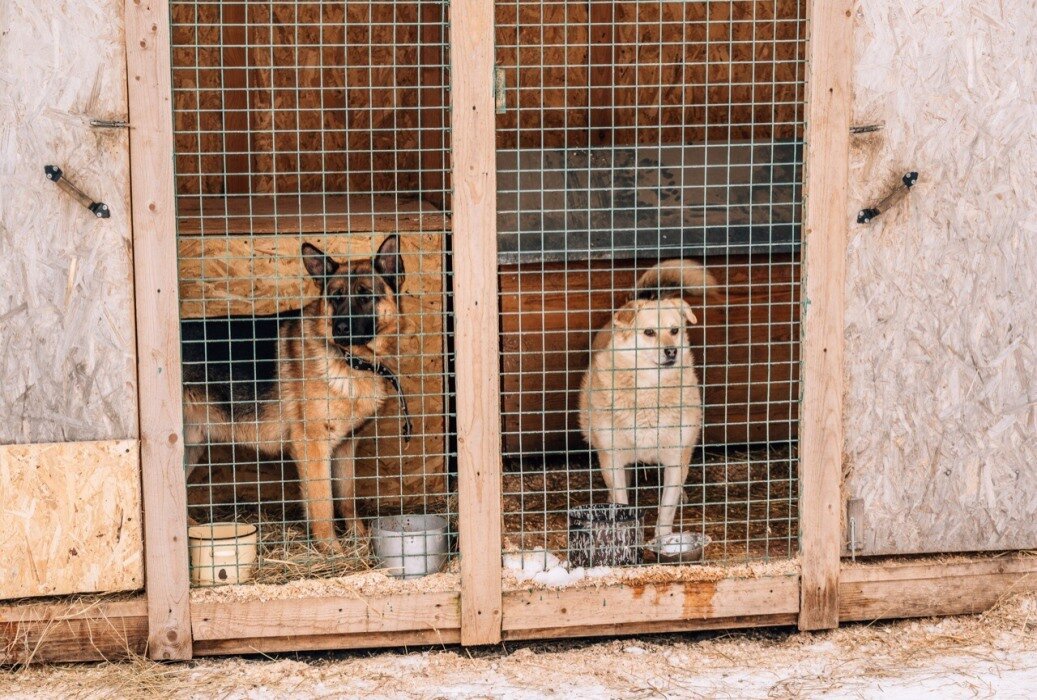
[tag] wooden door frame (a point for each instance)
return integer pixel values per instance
(159, 397)
(476, 334)
(825, 229)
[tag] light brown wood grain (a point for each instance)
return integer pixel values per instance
(97, 630)
(475, 312)
(158, 334)
(824, 268)
(72, 518)
(623, 629)
(896, 589)
(650, 603)
(326, 616)
(366, 640)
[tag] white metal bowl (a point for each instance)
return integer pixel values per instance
(410, 546)
(679, 547)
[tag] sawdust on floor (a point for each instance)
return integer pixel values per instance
(980, 655)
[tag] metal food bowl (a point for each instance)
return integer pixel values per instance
(679, 547)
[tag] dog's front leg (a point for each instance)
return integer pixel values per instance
(614, 472)
(344, 469)
(312, 454)
(674, 476)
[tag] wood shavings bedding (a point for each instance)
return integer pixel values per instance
(367, 584)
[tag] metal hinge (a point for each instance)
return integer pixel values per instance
(854, 525)
(109, 124)
(867, 128)
(500, 103)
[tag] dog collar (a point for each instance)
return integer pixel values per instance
(362, 365)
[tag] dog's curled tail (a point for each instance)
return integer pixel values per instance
(676, 278)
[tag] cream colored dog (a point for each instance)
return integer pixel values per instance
(640, 399)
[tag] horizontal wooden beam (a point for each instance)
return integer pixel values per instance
(931, 588)
(73, 631)
(273, 645)
(314, 617)
(91, 631)
(624, 604)
(659, 627)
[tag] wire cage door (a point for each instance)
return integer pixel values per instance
(313, 207)
(630, 134)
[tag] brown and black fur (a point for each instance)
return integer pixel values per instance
(283, 382)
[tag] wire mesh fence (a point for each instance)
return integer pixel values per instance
(629, 134)
(313, 200)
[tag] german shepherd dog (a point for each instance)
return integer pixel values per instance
(302, 381)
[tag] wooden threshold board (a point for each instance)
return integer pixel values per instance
(890, 589)
(88, 629)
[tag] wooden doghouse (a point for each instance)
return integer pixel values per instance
(895, 358)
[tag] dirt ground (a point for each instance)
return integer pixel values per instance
(989, 655)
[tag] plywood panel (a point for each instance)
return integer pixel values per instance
(747, 349)
(222, 275)
(66, 302)
(941, 345)
(72, 518)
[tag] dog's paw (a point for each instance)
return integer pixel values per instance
(331, 548)
(358, 529)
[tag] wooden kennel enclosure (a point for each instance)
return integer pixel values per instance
(533, 158)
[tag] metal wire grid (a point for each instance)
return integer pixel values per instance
(631, 133)
(322, 122)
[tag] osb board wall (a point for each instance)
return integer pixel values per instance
(307, 96)
(941, 402)
(67, 359)
(575, 70)
(222, 275)
(71, 514)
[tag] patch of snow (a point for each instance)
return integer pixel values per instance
(529, 563)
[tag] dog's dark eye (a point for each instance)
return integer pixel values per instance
(673, 331)
(650, 332)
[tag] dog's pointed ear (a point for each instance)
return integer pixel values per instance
(388, 262)
(319, 265)
(624, 318)
(689, 315)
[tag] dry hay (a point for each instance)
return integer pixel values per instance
(850, 660)
(745, 501)
(286, 552)
(28, 626)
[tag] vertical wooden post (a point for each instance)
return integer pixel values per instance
(477, 359)
(158, 337)
(826, 218)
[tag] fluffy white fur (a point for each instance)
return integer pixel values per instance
(640, 398)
